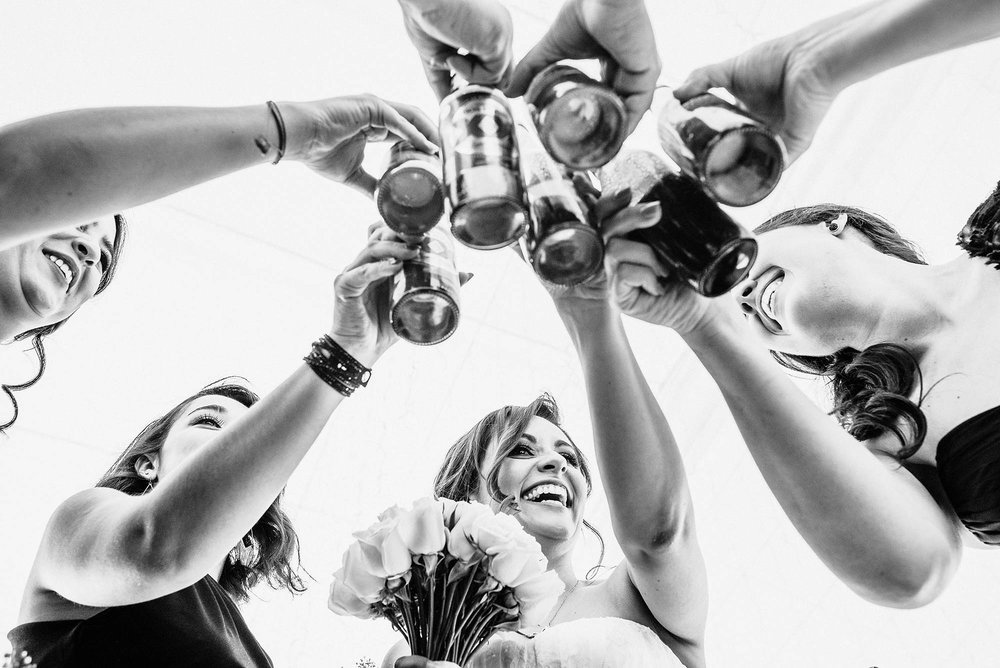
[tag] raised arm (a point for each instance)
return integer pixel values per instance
(791, 81)
(640, 465)
(104, 548)
(72, 167)
(873, 524)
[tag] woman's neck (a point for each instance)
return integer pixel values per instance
(560, 560)
(915, 303)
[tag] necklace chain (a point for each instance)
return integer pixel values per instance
(565, 597)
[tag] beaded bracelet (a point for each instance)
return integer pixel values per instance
(282, 134)
(336, 367)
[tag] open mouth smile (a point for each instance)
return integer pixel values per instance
(66, 268)
(549, 493)
(767, 297)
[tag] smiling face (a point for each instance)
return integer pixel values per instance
(44, 281)
(198, 423)
(543, 472)
(812, 290)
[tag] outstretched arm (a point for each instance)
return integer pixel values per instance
(871, 521)
(72, 167)
(640, 463)
(873, 524)
(791, 81)
(105, 548)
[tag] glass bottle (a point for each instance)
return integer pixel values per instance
(736, 157)
(481, 168)
(563, 241)
(582, 123)
(694, 236)
(425, 293)
(410, 197)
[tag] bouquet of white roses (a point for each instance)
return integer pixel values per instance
(447, 575)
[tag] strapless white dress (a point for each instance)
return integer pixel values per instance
(603, 642)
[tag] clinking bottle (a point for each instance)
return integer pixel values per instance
(734, 156)
(697, 239)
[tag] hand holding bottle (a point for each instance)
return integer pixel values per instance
(616, 31)
(330, 136)
(361, 312)
(778, 82)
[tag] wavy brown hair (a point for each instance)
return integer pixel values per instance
(870, 387)
(270, 546)
(39, 333)
(462, 470)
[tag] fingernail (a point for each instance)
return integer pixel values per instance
(391, 260)
(650, 210)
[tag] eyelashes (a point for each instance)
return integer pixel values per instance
(207, 419)
(522, 448)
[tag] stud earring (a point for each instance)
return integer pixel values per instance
(837, 225)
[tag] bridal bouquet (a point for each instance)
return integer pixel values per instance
(447, 575)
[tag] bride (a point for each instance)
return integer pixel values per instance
(651, 609)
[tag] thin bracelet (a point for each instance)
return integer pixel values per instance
(282, 135)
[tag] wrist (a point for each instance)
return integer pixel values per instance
(828, 51)
(300, 131)
(717, 323)
(364, 353)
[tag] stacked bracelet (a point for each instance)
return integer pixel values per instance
(337, 367)
(282, 134)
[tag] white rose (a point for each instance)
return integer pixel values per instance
(422, 529)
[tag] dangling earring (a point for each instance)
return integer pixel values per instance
(150, 479)
(242, 554)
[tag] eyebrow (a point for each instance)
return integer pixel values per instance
(211, 407)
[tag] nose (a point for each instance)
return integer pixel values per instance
(86, 250)
(551, 461)
(746, 295)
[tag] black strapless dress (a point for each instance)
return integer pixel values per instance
(199, 626)
(968, 457)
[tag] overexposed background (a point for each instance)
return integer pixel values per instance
(235, 277)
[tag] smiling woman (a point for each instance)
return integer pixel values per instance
(651, 609)
(79, 165)
(43, 282)
(147, 567)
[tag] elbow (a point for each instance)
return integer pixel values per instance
(660, 535)
(909, 586)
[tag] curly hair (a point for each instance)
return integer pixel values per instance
(870, 387)
(37, 335)
(271, 545)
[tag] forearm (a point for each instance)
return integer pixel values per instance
(205, 507)
(641, 467)
(881, 534)
(869, 39)
(71, 167)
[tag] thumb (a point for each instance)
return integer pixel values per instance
(541, 56)
(412, 662)
(362, 181)
(703, 78)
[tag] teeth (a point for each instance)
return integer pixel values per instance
(554, 490)
(767, 298)
(63, 267)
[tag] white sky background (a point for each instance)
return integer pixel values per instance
(235, 276)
